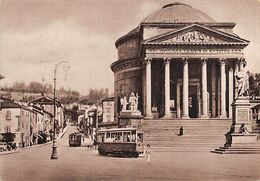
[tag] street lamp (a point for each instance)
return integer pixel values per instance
(54, 154)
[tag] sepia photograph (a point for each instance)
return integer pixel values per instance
(129, 90)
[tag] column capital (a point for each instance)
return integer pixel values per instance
(204, 59)
(222, 61)
(185, 60)
(147, 60)
(166, 60)
(242, 59)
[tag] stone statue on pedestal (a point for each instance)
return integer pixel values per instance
(243, 83)
(133, 101)
(124, 103)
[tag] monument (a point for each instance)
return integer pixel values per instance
(240, 138)
(130, 116)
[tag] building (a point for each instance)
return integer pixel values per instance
(108, 110)
(20, 120)
(9, 119)
(181, 62)
(47, 103)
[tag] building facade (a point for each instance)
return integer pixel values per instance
(108, 110)
(182, 63)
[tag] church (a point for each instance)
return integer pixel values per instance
(181, 63)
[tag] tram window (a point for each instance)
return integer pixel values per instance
(126, 137)
(133, 138)
(113, 135)
(108, 135)
(140, 137)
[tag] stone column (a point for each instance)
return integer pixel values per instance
(178, 101)
(223, 89)
(148, 108)
(236, 84)
(185, 89)
(204, 89)
(230, 90)
(213, 88)
(167, 87)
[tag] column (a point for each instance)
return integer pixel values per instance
(178, 101)
(204, 89)
(148, 108)
(213, 88)
(223, 89)
(236, 84)
(230, 90)
(167, 87)
(185, 89)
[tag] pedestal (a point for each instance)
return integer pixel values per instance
(128, 119)
(240, 139)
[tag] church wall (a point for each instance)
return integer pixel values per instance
(128, 49)
(127, 81)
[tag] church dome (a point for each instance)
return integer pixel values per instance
(178, 13)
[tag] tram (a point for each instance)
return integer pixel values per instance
(79, 139)
(120, 142)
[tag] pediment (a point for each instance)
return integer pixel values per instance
(194, 37)
(196, 34)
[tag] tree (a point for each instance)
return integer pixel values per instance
(254, 84)
(96, 95)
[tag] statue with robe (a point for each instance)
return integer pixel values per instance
(124, 103)
(243, 83)
(132, 102)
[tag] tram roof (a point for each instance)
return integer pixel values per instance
(117, 129)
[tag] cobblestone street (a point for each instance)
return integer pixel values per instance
(80, 163)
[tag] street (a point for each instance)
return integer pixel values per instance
(81, 163)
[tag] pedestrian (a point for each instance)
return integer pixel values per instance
(148, 153)
(181, 131)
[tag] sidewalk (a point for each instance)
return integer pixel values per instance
(34, 146)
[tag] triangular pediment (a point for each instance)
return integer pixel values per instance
(196, 34)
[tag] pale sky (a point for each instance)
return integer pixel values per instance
(36, 34)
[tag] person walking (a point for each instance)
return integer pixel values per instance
(148, 153)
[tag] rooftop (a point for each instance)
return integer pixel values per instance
(178, 13)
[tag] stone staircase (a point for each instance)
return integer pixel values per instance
(199, 134)
(256, 126)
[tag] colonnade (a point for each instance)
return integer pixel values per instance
(185, 93)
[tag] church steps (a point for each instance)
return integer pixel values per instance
(180, 149)
(213, 139)
(199, 134)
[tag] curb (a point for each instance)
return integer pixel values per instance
(35, 146)
(8, 152)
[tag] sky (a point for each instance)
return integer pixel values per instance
(37, 34)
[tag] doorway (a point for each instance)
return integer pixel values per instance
(193, 102)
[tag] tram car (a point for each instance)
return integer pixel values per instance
(120, 142)
(79, 139)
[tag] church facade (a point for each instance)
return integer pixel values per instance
(182, 64)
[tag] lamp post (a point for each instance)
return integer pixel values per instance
(54, 154)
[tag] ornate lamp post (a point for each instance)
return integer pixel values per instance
(54, 154)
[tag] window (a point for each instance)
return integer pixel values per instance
(8, 115)
(8, 129)
(108, 110)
